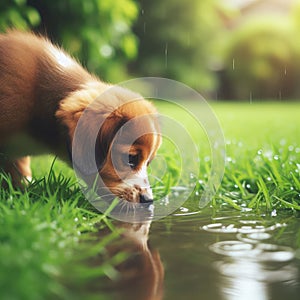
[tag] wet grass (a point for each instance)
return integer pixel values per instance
(46, 240)
(263, 156)
(44, 233)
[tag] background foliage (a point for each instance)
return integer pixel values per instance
(224, 52)
(97, 32)
(261, 60)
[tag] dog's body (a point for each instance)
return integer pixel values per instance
(43, 93)
(32, 84)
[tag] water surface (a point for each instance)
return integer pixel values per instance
(209, 255)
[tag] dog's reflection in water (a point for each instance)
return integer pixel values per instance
(142, 273)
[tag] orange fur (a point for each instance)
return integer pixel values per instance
(43, 94)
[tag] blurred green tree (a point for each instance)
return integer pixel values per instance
(176, 40)
(96, 32)
(261, 60)
(17, 14)
(187, 41)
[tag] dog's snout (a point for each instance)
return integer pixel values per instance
(144, 198)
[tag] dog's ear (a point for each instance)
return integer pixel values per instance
(91, 130)
(111, 125)
(74, 110)
(71, 109)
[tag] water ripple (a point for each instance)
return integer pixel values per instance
(260, 253)
(250, 243)
(246, 227)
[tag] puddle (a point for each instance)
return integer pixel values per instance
(203, 255)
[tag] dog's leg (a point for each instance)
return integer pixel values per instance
(19, 170)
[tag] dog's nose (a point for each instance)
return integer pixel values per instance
(144, 198)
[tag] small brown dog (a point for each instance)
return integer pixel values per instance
(43, 94)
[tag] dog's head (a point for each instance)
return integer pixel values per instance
(127, 139)
(127, 142)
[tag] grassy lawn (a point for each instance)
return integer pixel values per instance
(263, 155)
(44, 233)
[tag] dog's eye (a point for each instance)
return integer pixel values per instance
(131, 160)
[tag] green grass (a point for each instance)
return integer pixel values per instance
(44, 245)
(46, 235)
(263, 155)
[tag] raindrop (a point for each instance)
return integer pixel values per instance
(106, 50)
(274, 213)
(207, 158)
(269, 154)
(233, 64)
(184, 209)
(166, 55)
(283, 142)
(164, 201)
